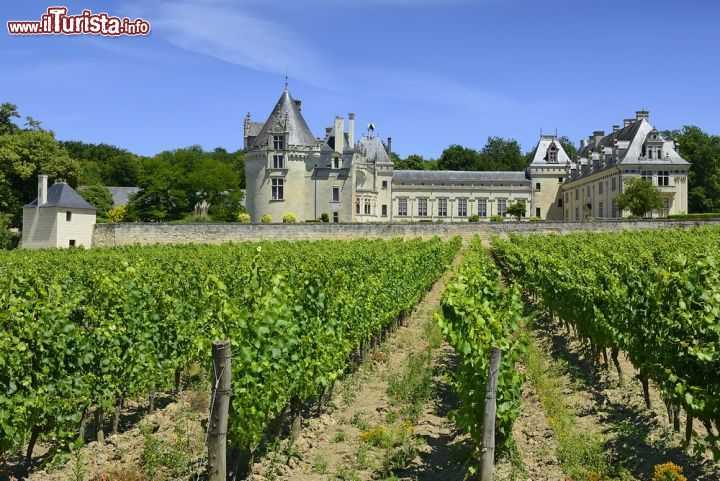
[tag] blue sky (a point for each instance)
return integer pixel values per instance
(429, 73)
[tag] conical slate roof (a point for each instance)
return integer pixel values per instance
(62, 195)
(286, 117)
(374, 150)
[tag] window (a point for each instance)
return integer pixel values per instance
(552, 155)
(560, 202)
(537, 211)
(614, 184)
(577, 213)
(336, 163)
(367, 207)
(650, 155)
(664, 178)
(402, 207)
(384, 184)
(277, 189)
(646, 175)
(68, 216)
(537, 186)
(336, 217)
(336, 194)
(666, 206)
(462, 207)
(560, 180)
(442, 207)
(613, 207)
(422, 208)
(71, 243)
(588, 191)
(600, 188)
(601, 212)
(384, 210)
(278, 142)
(482, 207)
(502, 207)
(278, 161)
(577, 194)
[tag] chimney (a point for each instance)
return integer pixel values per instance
(597, 135)
(627, 122)
(389, 145)
(298, 104)
(42, 189)
(339, 135)
(351, 129)
(583, 143)
(642, 115)
(616, 128)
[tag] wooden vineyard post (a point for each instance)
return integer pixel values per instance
(488, 443)
(220, 402)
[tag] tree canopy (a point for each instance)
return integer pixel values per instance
(639, 196)
(172, 183)
(702, 150)
(99, 197)
(25, 153)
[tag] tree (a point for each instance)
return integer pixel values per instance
(457, 157)
(501, 154)
(517, 209)
(639, 196)
(105, 164)
(99, 196)
(8, 111)
(23, 155)
(703, 152)
(568, 146)
(172, 183)
(411, 162)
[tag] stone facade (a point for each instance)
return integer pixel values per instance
(288, 170)
(605, 162)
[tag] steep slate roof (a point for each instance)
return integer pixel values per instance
(457, 176)
(286, 117)
(375, 150)
(541, 152)
(62, 195)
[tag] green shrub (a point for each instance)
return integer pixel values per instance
(313, 220)
(266, 219)
(425, 220)
(117, 214)
(324, 217)
(535, 219)
(496, 218)
(289, 218)
(474, 218)
(243, 218)
(8, 239)
(705, 215)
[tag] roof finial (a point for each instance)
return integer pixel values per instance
(286, 78)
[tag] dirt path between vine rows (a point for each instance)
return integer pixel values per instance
(329, 446)
(636, 438)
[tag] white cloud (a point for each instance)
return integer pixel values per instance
(220, 31)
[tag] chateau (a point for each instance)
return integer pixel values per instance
(289, 170)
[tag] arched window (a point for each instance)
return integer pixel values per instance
(649, 153)
(552, 154)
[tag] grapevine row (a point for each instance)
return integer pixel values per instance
(479, 314)
(82, 330)
(653, 294)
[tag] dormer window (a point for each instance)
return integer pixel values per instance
(336, 163)
(278, 142)
(552, 154)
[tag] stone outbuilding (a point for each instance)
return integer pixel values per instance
(59, 217)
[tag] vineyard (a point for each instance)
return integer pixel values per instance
(390, 341)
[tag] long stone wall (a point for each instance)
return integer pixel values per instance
(161, 233)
